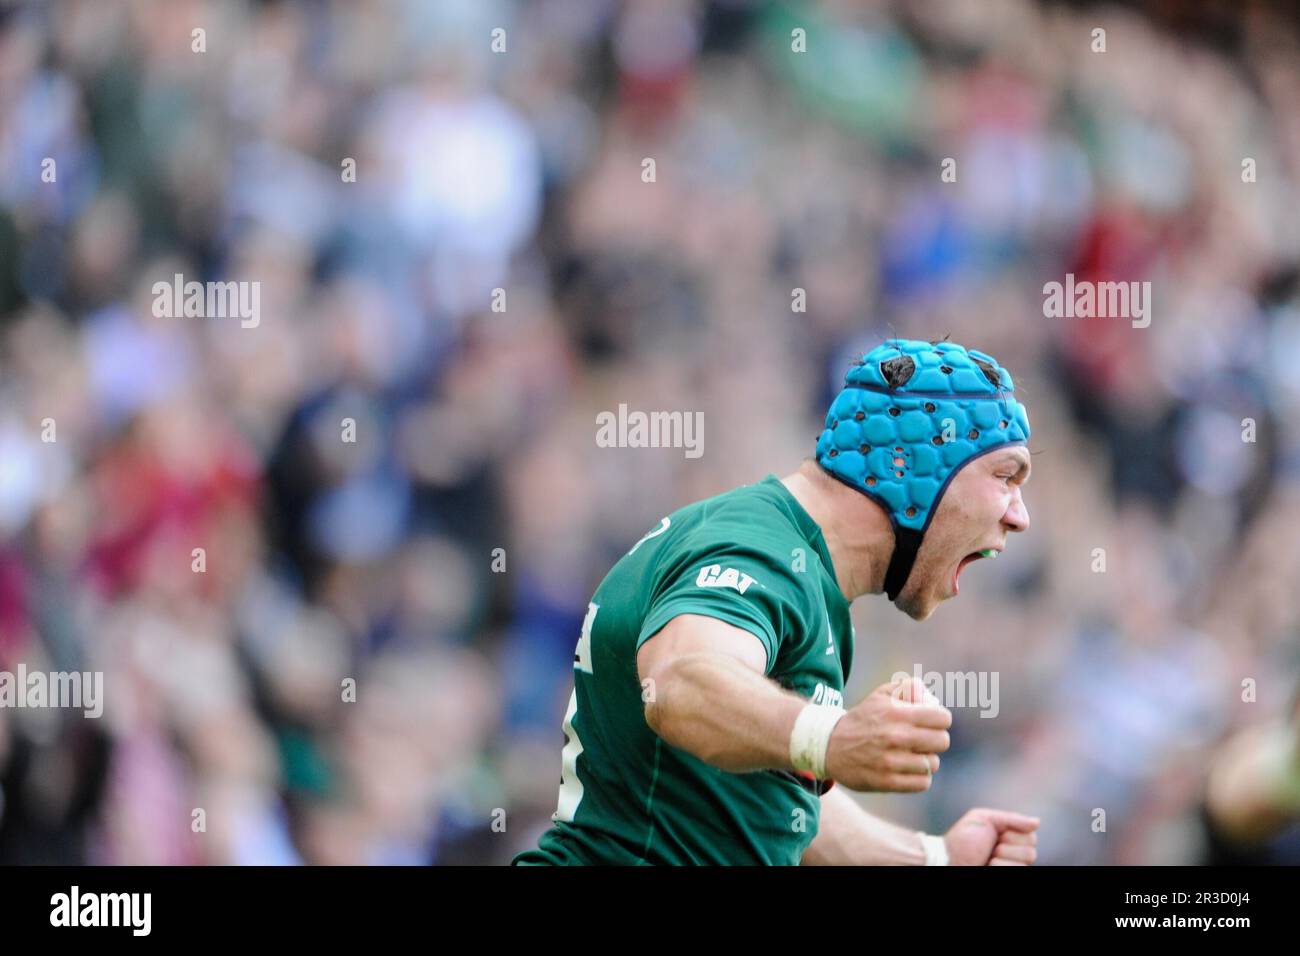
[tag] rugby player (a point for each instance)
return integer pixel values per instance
(706, 724)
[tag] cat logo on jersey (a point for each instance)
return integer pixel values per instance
(713, 576)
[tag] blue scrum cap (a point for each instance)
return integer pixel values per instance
(910, 415)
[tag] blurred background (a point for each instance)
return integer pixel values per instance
(475, 429)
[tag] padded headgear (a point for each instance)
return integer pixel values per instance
(911, 414)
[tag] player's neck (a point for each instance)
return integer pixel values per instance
(857, 532)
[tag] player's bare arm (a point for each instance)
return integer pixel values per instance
(711, 699)
(850, 836)
(708, 696)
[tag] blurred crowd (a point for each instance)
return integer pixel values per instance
(368, 659)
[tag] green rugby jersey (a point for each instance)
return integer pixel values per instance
(751, 557)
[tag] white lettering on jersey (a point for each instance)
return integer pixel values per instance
(654, 533)
(713, 576)
(582, 653)
(827, 696)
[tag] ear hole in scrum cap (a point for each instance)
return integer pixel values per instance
(898, 371)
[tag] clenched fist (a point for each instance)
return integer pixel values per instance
(992, 838)
(891, 740)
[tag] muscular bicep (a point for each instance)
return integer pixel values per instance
(688, 634)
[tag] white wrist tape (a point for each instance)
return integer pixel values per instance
(936, 851)
(811, 736)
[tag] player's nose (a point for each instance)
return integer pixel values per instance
(1017, 515)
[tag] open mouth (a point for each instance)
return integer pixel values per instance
(968, 560)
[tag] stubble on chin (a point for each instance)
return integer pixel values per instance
(911, 605)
